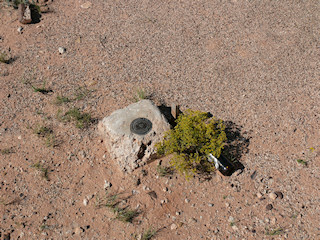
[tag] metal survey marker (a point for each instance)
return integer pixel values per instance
(141, 126)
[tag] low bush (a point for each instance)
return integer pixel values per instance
(192, 139)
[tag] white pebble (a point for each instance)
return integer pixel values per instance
(62, 50)
(20, 29)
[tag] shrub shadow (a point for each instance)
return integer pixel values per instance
(237, 145)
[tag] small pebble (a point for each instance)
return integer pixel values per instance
(107, 184)
(85, 201)
(62, 50)
(187, 200)
(20, 29)
(235, 228)
(269, 207)
(210, 204)
(272, 196)
(259, 195)
(279, 194)
(173, 226)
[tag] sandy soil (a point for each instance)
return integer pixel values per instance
(254, 64)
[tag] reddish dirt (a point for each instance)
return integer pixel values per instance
(254, 64)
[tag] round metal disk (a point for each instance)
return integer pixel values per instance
(141, 126)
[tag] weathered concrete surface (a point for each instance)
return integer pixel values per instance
(128, 149)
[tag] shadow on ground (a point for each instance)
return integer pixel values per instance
(237, 144)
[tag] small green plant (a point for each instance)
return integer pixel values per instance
(61, 99)
(42, 89)
(43, 170)
(81, 93)
(43, 131)
(140, 94)
(150, 233)
(274, 232)
(164, 171)
(111, 201)
(125, 214)
(81, 120)
(47, 134)
(190, 142)
(4, 58)
(301, 161)
(6, 151)
(232, 224)
(43, 227)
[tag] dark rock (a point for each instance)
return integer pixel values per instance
(153, 194)
(279, 194)
(253, 175)
(269, 207)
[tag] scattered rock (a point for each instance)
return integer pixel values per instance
(235, 228)
(24, 13)
(269, 207)
(178, 213)
(253, 175)
(153, 194)
(138, 182)
(230, 219)
(192, 220)
(85, 201)
(165, 189)
(6, 236)
(173, 226)
(273, 220)
(82, 154)
(210, 204)
(62, 50)
(86, 5)
(78, 230)
(20, 29)
(279, 194)
(259, 195)
(128, 148)
(272, 196)
(107, 185)
(186, 200)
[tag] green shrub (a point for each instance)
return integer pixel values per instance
(190, 142)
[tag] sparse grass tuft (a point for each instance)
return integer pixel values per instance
(43, 170)
(164, 171)
(43, 131)
(140, 94)
(81, 93)
(62, 99)
(150, 233)
(301, 161)
(123, 214)
(42, 89)
(47, 133)
(81, 120)
(4, 58)
(274, 232)
(6, 151)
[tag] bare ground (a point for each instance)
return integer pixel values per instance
(254, 64)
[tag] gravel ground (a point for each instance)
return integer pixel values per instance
(254, 64)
